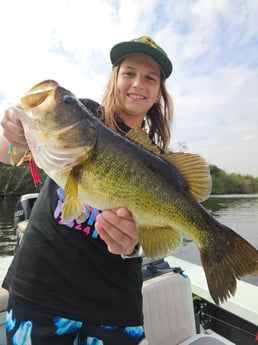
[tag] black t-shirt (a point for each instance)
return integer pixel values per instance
(66, 270)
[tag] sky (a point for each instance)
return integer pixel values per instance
(213, 46)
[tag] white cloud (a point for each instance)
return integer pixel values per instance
(212, 44)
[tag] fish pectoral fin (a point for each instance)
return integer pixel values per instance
(72, 209)
(157, 242)
(72, 206)
(195, 171)
(230, 262)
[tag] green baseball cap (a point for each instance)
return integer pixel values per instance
(144, 45)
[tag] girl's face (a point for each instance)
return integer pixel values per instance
(138, 88)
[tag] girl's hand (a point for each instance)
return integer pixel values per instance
(13, 129)
(117, 228)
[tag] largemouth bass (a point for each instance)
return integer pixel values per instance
(96, 166)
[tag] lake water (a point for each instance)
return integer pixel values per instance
(236, 211)
(7, 233)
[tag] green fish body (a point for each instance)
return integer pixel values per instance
(104, 169)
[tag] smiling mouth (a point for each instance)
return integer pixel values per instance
(135, 97)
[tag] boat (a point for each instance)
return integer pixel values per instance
(177, 307)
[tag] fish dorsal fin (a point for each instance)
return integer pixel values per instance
(142, 138)
(195, 171)
(192, 167)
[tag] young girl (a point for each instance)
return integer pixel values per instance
(81, 283)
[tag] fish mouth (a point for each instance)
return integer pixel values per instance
(39, 94)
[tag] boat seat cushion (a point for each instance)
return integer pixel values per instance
(205, 339)
(168, 309)
(169, 314)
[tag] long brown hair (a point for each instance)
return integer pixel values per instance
(159, 116)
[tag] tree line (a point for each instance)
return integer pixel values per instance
(15, 181)
(223, 183)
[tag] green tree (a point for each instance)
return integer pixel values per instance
(223, 183)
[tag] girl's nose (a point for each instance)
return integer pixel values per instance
(138, 82)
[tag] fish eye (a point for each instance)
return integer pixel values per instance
(68, 100)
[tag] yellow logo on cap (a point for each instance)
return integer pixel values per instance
(149, 41)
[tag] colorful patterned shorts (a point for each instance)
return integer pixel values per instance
(30, 327)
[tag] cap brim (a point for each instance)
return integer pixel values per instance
(120, 50)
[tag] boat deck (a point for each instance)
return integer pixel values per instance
(243, 304)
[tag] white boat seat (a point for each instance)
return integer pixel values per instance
(169, 314)
(204, 339)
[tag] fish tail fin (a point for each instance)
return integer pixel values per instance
(234, 258)
(158, 242)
